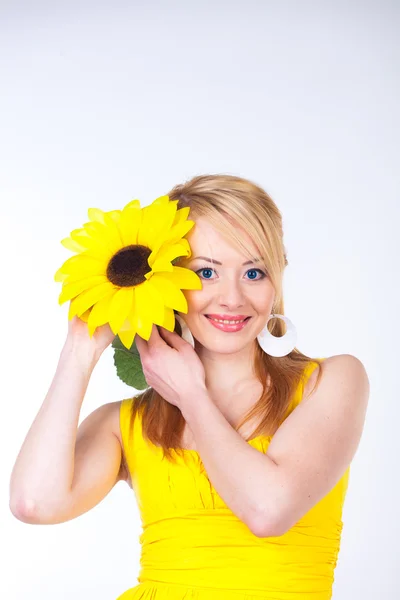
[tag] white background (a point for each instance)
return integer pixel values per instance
(105, 102)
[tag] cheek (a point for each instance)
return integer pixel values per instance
(196, 299)
(263, 303)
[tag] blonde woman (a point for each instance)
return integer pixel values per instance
(238, 452)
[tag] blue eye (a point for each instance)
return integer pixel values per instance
(249, 271)
(204, 269)
(256, 271)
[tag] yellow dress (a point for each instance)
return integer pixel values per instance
(195, 548)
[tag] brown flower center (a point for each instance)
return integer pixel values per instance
(128, 266)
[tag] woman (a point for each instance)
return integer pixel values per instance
(239, 450)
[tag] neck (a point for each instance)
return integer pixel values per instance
(228, 372)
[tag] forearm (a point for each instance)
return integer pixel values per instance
(240, 474)
(43, 472)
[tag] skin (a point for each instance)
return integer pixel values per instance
(226, 358)
(231, 289)
(212, 385)
(269, 492)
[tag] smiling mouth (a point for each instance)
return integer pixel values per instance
(227, 321)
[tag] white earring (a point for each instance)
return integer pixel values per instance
(186, 333)
(278, 346)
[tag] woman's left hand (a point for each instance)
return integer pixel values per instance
(171, 366)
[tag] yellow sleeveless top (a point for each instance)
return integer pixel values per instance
(195, 548)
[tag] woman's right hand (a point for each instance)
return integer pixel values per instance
(79, 341)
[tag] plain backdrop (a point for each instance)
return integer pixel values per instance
(103, 102)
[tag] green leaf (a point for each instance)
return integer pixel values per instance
(128, 364)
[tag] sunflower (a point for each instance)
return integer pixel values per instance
(123, 273)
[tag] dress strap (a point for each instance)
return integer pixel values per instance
(299, 392)
(131, 432)
(309, 369)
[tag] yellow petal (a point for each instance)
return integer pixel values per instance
(161, 265)
(80, 277)
(120, 307)
(181, 215)
(169, 252)
(133, 203)
(70, 290)
(84, 316)
(87, 299)
(170, 293)
(73, 245)
(131, 220)
(96, 214)
(141, 320)
(94, 228)
(84, 265)
(101, 246)
(99, 313)
(156, 223)
(101, 233)
(144, 327)
(178, 231)
(71, 261)
(132, 313)
(60, 276)
(169, 319)
(185, 279)
(115, 215)
(100, 239)
(113, 232)
(127, 336)
(162, 201)
(149, 302)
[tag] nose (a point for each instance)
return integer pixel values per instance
(231, 294)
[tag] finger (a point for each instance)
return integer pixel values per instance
(153, 334)
(173, 339)
(141, 346)
(155, 339)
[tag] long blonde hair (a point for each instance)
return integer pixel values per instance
(224, 199)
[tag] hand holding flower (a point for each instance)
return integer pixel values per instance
(171, 366)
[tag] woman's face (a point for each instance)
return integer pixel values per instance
(230, 289)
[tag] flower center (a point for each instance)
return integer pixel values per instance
(128, 266)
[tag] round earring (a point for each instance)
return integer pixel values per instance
(186, 333)
(278, 346)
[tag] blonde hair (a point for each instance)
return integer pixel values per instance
(223, 200)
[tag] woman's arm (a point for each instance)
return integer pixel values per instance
(44, 469)
(306, 457)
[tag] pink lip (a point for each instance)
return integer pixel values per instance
(228, 327)
(228, 317)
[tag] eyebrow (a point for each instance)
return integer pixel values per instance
(216, 262)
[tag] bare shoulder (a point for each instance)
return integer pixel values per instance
(346, 364)
(337, 367)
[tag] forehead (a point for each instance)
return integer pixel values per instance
(206, 240)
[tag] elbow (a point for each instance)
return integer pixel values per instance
(270, 530)
(23, 510)
(269, 526)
